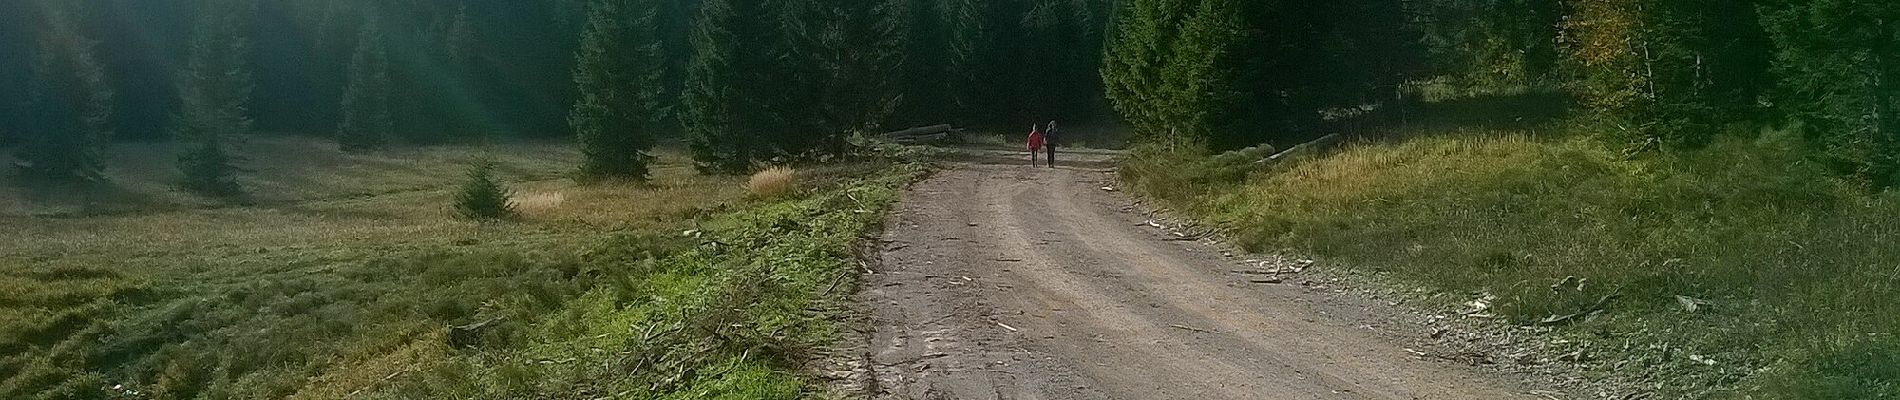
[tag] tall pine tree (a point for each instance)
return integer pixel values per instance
(717, 101)
(966, 34)
(215, 89)
(617, 72)
(70, 104)
(366, 122)
(845, 62)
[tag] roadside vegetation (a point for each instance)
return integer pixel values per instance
(1788, 267)
(681, 288)
(1695, 196)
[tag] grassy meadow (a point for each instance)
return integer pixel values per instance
(348, 276)
(1792, 272)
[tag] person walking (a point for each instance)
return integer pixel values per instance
(1049, 142)
(1035, 143)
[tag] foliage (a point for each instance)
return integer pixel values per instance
(723, 140)
(214, 92)
(618, 73)
(1833, 59)
(366, 121)
(1231, 74)
(208, 169)
(1139, 59)
(1768, 239)
(69, 104)
(1667, 72)
(790, 81)
(1491, 43)
(483, 197)
(845, 61)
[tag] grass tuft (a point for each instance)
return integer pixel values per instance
(773, 183)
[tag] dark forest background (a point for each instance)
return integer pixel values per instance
(497, 67)
(747, 81)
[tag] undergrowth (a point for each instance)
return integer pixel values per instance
(1791, 271)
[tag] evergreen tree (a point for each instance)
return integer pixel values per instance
(69, 105)
(1839, 63)
(966, 35)
(717, 106)
(483, 197)
(460, 39)
(1131, 73)
(215, 90)
(845, 62)
(617, 72)
(1173, 70)
(366, 122)
(1061, 40)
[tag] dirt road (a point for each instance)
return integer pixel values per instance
(1010, 282)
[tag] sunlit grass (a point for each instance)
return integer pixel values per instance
(1798, 267)
(349, 286)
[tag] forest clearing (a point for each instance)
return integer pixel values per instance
(1129, 199)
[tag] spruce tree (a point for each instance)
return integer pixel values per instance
(844, 66)
(617, 73)
(215, 89)
(716, 132)
(69, 105)
(483, 197)
(366, 122)
(1135, 71)
(967, 36)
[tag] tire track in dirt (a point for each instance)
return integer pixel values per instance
(1007, 282)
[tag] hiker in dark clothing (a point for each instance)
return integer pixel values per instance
(1049, 140)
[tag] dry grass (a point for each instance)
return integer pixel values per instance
(535, 204)
(772, 183)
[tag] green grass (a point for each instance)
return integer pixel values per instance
(364, 284)
(1799, 270)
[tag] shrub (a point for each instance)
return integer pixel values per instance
(772, 183)
(482, 197)
(208, 171)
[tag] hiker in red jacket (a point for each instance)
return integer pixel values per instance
(1035, 143)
